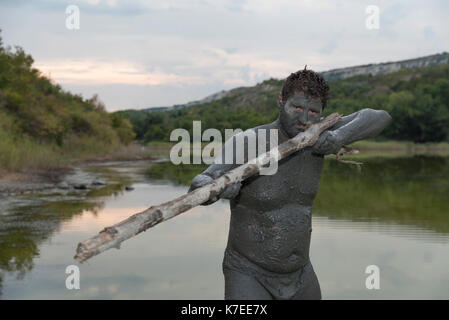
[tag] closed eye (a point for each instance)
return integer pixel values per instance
(300, 109)
(311, 112)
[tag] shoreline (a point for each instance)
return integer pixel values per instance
(59, 179)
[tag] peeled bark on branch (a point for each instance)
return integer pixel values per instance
(113, 236)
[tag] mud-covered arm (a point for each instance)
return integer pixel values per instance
(223, 163)
(366, 123)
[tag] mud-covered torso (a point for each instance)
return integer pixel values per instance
(271, 217)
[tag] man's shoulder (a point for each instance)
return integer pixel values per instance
(266, 126)
(253, 130)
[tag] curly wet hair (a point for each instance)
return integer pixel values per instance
(307, 81)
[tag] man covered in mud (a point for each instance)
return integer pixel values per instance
(267, 255)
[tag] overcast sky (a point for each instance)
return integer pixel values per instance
(139, 54)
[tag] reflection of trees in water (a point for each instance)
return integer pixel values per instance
(24, 228)
(409, 191)
(181, 174)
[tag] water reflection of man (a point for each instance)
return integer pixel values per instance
(267, 254)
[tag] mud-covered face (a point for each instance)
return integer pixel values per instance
(297, 111)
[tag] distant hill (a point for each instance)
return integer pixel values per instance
(387, 67)
(415, 92)
(332, 75)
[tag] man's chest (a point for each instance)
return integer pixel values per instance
(296, 180)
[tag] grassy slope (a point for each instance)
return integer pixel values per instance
(43, 127)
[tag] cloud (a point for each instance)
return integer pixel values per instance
(228, 66)
(209, 64)
(429, 32)
(329, 47)
(197, 47)
(95, 72)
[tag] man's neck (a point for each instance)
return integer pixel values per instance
(282, 134)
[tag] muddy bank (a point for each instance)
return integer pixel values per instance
(18, 183)
(32, 180)
(71, 176)
(77, 178)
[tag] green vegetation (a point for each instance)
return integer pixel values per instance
(417, 99)
(42, 126)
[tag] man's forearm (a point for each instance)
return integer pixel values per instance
(366, 123)
(360, 125)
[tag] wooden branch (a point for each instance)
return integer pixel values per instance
(347, 150)
(113, 236)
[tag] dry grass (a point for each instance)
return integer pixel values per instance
(369, 148)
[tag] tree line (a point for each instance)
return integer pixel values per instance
(417, 100)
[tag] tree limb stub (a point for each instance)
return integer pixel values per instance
(113, 236)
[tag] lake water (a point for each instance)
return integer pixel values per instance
(393, 214)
